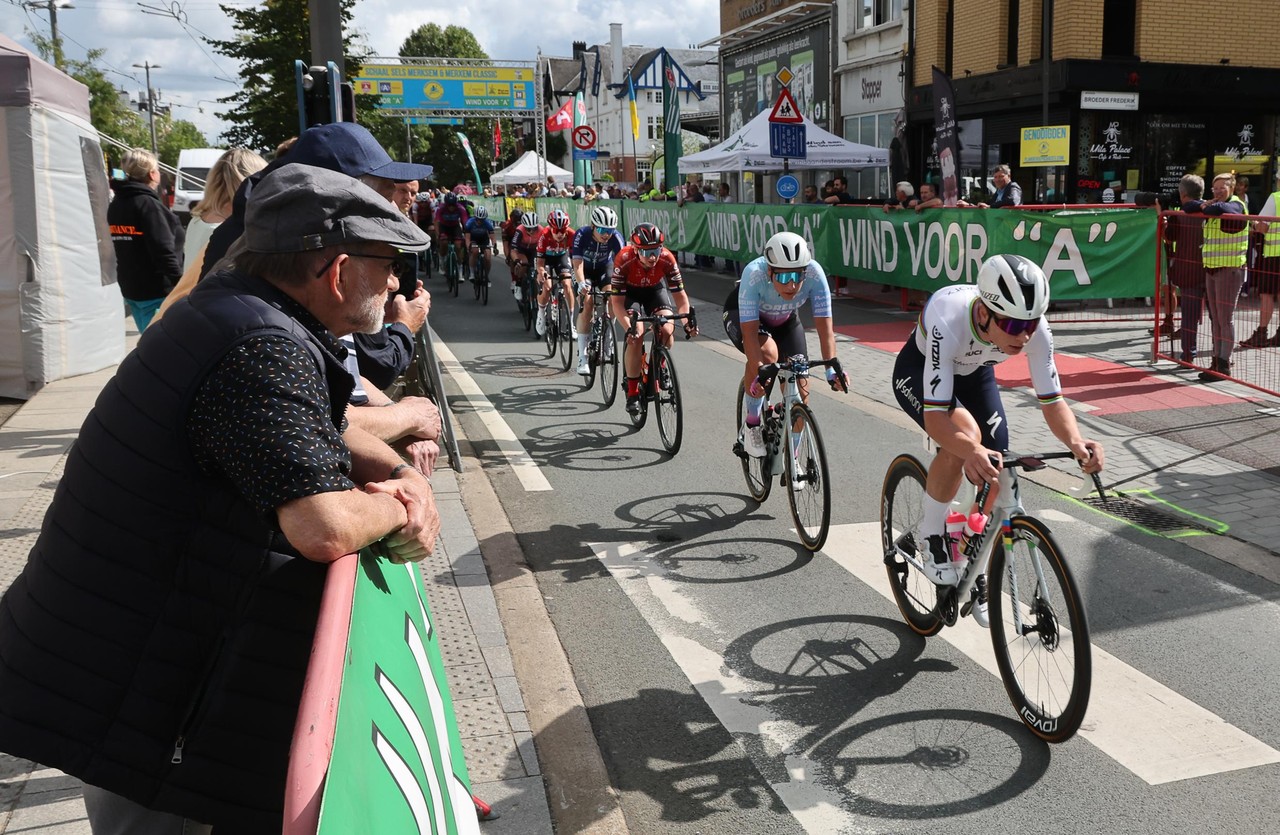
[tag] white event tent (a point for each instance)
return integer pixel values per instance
(526, 170)
(747, 149)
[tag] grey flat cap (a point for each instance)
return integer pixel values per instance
(300, 207)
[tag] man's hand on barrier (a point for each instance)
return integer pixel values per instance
(422, 454)
(422, 416)
(416, 540)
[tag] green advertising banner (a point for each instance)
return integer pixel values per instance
(1087, 253)
(397, 763)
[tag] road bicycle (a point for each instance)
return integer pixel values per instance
(1037, 618)
(658, 381)
(527, 303)
(480, 281)
(602, 348)
(451, 269)
(559, 334)
(793, 448)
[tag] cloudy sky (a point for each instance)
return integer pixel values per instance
(192, 76)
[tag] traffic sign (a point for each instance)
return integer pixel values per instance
(785, 109)
(584, 137)
(579, 154)
(786, 140)
(784, 76)
(788, 187)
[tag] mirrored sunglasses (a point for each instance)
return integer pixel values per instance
(604, 230)
(1014, 327)
(650, 252)
(788, 276)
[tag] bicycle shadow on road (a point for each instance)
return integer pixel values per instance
(818, 673)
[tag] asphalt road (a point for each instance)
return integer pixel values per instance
(736, 683)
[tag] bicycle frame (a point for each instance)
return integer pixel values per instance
(787, 374)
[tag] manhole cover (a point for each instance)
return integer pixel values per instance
(1140, 514)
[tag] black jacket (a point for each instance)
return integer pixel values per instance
(160, 616)
(148, 241)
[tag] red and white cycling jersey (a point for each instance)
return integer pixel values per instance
(629, 271)
(552, 243)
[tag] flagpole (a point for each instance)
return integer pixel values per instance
(635, 128)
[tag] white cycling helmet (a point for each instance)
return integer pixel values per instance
(529, 220)
(604, 217)
(787, 251)
(482, 212)
(1013, 287)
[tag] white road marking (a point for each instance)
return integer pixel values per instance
(522, 464)
(1153, 731)
(667, 606)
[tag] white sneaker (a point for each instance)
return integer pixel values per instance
(753, 441)
(980, 606)
(584, 368)
(938, 566)
(541, 325)
(515, 291)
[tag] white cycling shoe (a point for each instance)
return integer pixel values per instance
(584, 368)
(541, 325)
(938, 566)
(753, 441)
(980, 605)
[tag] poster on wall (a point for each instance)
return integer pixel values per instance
(750, 86)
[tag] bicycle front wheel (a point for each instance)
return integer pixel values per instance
(808, 479)
(666, 399)
(609, 359)
(901, 505)
(550, 320)
(476, 281)
(757, 471)
(1039, 632)
(484, 282)
(564, 334)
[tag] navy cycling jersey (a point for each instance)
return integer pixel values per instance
(596, 255)
(480, 229)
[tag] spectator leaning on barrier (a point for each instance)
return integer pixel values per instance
(155, 643)
(839, 192)
(904, 197)
(1184, 234)
(810, 194)
(1008, 193)
(929, 198)
(1266, 273)
(1226, 245)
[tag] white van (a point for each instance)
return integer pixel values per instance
(188, 186)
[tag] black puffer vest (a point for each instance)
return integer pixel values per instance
(156, 641)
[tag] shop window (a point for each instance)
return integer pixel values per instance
(1119, 28)
(1011, 32)
(871, 13)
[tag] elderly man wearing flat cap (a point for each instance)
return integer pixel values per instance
(155, 644)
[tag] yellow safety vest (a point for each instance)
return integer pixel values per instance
(1224, 249)
(1271, 245)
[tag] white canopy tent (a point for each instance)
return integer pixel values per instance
(526, 170)
(61, 313)
(747, 149)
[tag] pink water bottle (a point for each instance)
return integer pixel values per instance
(973, 526)
(955, 527)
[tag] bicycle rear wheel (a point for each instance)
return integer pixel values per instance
(609, 360)
(666, 399)
(638, 419)
(757, 471)
(808, 479)
(483, 268)
(1047, 663)
(475, 279)
(564, 335)
(551, 320)
(900, 509)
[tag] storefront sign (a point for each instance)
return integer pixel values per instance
(446, 87)
(1046, 145)
(1112, 146)
(1098, 100)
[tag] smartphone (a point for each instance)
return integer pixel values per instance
(408, 273)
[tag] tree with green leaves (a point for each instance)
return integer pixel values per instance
(269, 38)
(175, 135)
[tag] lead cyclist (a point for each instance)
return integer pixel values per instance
(962, 333)
(594, 249)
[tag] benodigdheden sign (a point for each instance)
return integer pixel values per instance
(1047, 145)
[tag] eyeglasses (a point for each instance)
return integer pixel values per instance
(604, 230)
(650, 251)
(788, 276)
(400, 264)
(1014, 327)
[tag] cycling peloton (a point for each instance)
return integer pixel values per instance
(524, 247)
(963, 331)
(480, 230)
(594, 249)
(762, 320)
(451, 218)
(646, 279)
(554, 248)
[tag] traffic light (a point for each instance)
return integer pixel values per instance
(322, 96)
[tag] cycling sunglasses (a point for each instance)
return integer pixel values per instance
(788, 276)
(650, 252)
(1014, 327)
(604, 230)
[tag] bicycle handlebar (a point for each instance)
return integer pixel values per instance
(1033, 461)
(799, 366)
(660, 319)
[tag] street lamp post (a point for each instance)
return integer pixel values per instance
(52, 7)
(151, 103)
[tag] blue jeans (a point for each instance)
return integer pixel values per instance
(143, 311)
(111, 814)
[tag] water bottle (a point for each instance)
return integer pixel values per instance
(955, 529)
(755, 403)
(973, 526)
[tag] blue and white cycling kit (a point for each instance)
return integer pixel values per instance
(758, 300)
(597, 256)
(480, 230)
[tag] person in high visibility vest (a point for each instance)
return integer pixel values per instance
(1266, 274)
(1226, 245)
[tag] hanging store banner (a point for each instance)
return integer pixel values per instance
(444, 87)
(749, 84)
